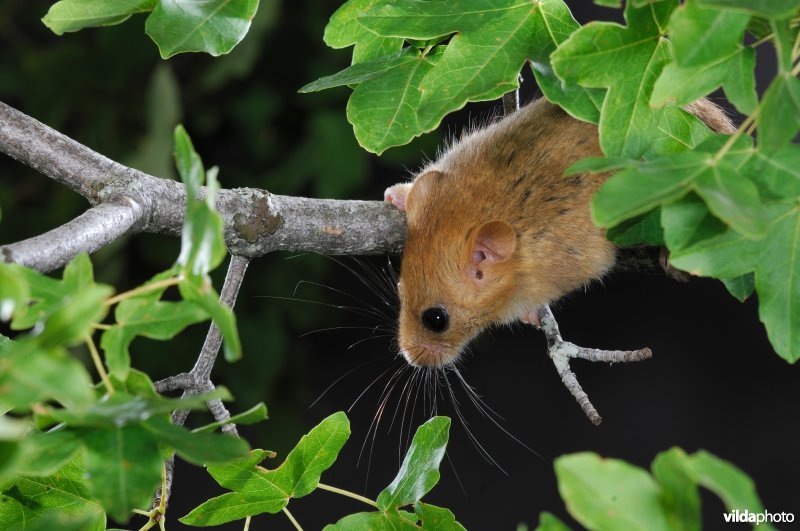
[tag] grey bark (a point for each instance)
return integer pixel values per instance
(256, 222)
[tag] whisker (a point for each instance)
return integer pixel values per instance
(367, 339)
(491, 418)
(358, 311)
(370, 385)
(331, 328)
(478, 446)
(341, 292)
(340, 378)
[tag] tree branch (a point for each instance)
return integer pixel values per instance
(256, 222)
(89, 232)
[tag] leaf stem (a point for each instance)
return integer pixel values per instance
(291, 519)
(735, 136)
(165, 283)
(101, 326)
(347, 493)
(247, 523)
(98, 363)
(157, 515)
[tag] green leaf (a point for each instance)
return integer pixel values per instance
(735, 73)
(778, 283)
(483, 60)
(68, 309)
(123, 467)
(726, 255)
(393, 121)
(642, 188)
(43, 454)
(437, 518)
(776, 262)
(197, 448)
(729, 194)
(253, 415)
(609, 494)
(26, 501)
(762, 8)
(779, 119)
(343, 30)
(376, 521)
(30, 374)
(121, 409)
(733, 198)
(364, 71)
(680, 131)
(627, 61)
(549, 522)
(741, 287)
(258, 490)
(679, 493)
(701, 35)
(725, 480)
(599, 165)
(777, 173)
(200, 292)
(688, 221)
(148, 317)
(202, 242)
(642, 230)
(419, 472)
(74, 15)
(211, 26)
(14, 290)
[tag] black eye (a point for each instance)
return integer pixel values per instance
(435, 319)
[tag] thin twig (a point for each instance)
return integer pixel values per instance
(198, 380)
(561, 352)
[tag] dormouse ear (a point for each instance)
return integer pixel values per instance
(423, 186)
(494, 241)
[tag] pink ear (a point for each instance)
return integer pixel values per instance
(495, 241)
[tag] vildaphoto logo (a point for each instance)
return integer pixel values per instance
(747, 517)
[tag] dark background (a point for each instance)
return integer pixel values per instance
(714, 381)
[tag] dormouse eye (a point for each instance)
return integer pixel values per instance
(436, 319)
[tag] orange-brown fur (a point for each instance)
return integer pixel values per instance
(513, 172)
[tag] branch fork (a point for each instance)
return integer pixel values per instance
(561, 352)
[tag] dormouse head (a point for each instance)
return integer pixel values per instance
(457, 273)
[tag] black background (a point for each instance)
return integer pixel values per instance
(714, 381)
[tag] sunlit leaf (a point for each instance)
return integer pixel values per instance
(609, 494)
(211, 26)
(626, 60)
(257, 490)
(26, 501)
(123, 467)
(74, 15)
(419, 472)
(253, 415)
(344, 30)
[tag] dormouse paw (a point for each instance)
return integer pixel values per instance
(532, 318)
(397, 194)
